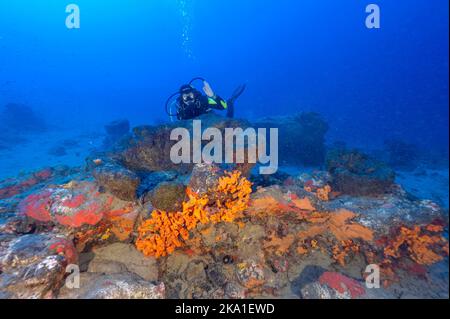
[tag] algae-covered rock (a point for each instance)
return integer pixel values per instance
(114, 286)
(168, 197)
(186, 276)
(120, 257)
(250, 274)
(151, 180)
(204, 178)
(117, 180)
(34, 266)
(80, 210)
(149, 147)
(358, 174)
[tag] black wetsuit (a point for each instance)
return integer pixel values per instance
(202, 105)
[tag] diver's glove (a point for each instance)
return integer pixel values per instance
(207, 89)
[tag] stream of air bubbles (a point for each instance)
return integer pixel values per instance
(186, 16)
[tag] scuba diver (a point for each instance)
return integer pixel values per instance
(191, 103)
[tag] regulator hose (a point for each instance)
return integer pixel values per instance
(168, 102)
(195, 79)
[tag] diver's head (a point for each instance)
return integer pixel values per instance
(188, 94)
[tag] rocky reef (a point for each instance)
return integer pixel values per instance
(131, 224)
(356, 173)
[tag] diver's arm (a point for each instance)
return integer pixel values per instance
(214, 101)
(208, 90)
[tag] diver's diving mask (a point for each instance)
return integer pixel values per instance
(188, 98)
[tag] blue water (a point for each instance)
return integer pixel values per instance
(313, 55)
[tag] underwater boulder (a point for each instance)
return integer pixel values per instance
(122, 257)
(117, 180)
(233, 290)
(250, 274)
(168, 197)
(301, 138)
(21, 118)
(79, 209)
(333, 285)
(148, 150)
(34, 266)
(309, 275)
(358, 174)
(204, 177)
(389, 211)
(114, 286)
(151, 180)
